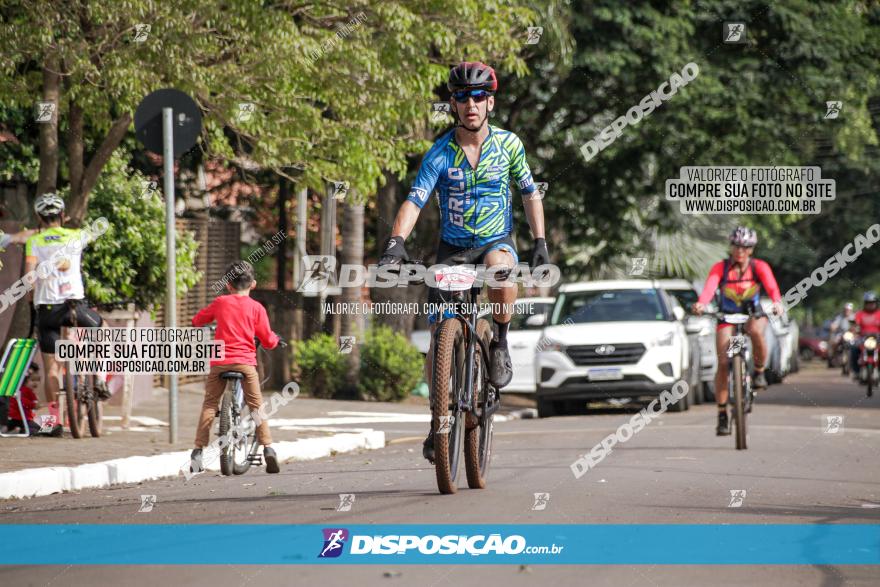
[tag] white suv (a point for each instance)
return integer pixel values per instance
(610, 339)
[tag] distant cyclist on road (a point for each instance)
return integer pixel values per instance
(471, 168)
(839, 324)
(865, 323)
(739, 279)
(59, 295)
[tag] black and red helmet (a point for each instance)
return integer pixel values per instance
(472, 75)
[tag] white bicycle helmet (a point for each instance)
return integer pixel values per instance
(743, 236)
(49, 204)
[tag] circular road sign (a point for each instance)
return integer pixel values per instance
(187, 120)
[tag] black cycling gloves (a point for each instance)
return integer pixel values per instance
(540, 256)
(394, 251)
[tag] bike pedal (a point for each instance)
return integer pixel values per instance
(256, 460)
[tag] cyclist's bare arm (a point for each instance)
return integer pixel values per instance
(405, 219)
(534, 208)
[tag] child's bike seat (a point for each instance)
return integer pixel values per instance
(232, 375)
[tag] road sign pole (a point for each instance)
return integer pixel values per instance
(170, 247)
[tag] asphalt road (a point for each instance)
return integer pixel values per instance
(674, 471)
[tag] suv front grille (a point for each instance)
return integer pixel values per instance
(623, 354)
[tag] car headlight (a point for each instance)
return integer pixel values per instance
(823, 345)
(848, 336)
(870, 343)
(548, 344)
(665, 340)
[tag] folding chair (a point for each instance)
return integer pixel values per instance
(13, 368)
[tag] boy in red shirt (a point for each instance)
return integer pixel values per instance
(239, 319)
(29, 402)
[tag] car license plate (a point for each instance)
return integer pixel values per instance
(605, 374)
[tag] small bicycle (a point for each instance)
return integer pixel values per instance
(237, 456)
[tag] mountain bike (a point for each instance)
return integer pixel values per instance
(241, 450)
(463, 402)
(739, 382)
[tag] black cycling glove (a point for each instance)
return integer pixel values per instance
(394, 252)
(540, 256)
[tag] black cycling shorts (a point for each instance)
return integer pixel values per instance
(448, 254)
(52, 317)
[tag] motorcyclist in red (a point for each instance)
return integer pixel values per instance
(866, 322)
(739, 279)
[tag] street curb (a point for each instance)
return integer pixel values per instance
(49, 480)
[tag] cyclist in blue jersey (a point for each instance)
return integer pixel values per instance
(470, 168)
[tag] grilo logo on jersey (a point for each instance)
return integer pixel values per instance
(334, 541)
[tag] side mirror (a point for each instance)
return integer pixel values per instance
(693, 326)
(678, 312)
(536, 321)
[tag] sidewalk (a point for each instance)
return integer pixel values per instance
(303, 429)
(43, 465)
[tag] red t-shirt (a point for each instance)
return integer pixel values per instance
(239, 320)
(28, 402)
(869, 322)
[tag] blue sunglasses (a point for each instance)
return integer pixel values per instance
(477, 95)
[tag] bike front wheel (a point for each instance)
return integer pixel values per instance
(446, 415)
(478, 438)
(236, 442)
(739, 408)
(76, 409)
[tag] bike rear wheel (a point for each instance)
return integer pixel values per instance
(76, 410)
(478, 438)
(234, 454)
(446, 420)
(94, 408)
(739, 411)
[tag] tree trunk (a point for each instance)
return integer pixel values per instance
(75, 149)
(48, 179)
(389, 199)
(281, 254)
(77, 206)
(352, 254)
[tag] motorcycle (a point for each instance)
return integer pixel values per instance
(845, 345)
(868, 364)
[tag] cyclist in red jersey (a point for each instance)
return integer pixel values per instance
(739, 280)
(866, 322)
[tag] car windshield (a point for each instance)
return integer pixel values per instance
(624, 305)
(685, 297)
(524, 311)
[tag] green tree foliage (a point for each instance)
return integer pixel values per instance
(759, 103)
(338, 90)
(128, 262)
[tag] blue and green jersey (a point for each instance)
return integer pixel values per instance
(475, 205)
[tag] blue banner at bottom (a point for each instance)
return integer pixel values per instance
(256, 544)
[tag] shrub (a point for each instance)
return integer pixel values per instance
(390, 366)
(319, 366)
